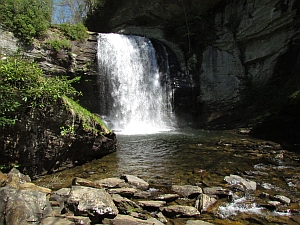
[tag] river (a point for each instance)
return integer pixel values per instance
(203, 158)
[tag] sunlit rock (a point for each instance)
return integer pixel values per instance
(282, 199)
(124, 219)
(198, 222)
(180, 211)
(240, 183)
(92, 202)
(152, 204)
(203, 202)
(138, 182)
(167, 197)
(111, 182)
(125, 205)
(125, 192)
(187, 190)
(21, 206)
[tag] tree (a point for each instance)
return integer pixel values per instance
(23, 86)
(27, 19)
(71, 11)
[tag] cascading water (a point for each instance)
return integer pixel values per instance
(133, 98)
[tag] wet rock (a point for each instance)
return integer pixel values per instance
(296, 219)
(3, 179)
(152, 204)
(187, 191)
(57, 221)
(84, 182)
(142, 194)
(244, 130)
(240, 183)
(124, 205)
(125, 192)
(204, 202)
(155, 221)
(63, 192)
(127, 220)
(92, 202)
(282, 199)
(197, 222)
(15, 178)
(133, 180)
(33, 187)
(21, 206)
(220, 191)
(180, 211)
(111, 183)
(160, 217)
(167, 197)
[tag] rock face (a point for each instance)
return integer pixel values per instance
(36, 143)
(227, 50)
(250, 38)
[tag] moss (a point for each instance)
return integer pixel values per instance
(90, 122)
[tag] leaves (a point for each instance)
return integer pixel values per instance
(23, 85)
(27, 19)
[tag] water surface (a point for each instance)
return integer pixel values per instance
(198, 157)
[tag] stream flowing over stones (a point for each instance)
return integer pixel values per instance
(230, 177)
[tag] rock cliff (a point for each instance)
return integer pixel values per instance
(40, 141)
(233, 53)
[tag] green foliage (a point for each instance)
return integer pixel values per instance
(89, 121)
(75, 32)
(58, 44)
(27, 19)
(23, 86)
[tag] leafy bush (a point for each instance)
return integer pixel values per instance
(75, 32)
(23, 86)
(58, 44)
(90, 122)
(27, 19)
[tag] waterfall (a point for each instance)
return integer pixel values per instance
(134, 99)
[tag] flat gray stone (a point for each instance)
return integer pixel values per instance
(138, 182)
(91, 201)
(56, 221)
(198, 222)
(152, 204)
(240, 183)
(180, 211)
(125, 192)
(186, 190)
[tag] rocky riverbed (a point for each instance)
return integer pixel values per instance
(131, 200)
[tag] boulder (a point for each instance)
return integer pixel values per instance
(136, 181)
(152, 204)
(124, 205)
(125, 192)
(187, 191)
(111, 182)
(240, 183)
(3, 179)
(203, 202)
(127, 220)
(167, 197)
(198, 222)
(220, 191)
(22, 206)
(180, 211)
(92, 202)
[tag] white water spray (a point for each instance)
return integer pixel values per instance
(132, 96)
